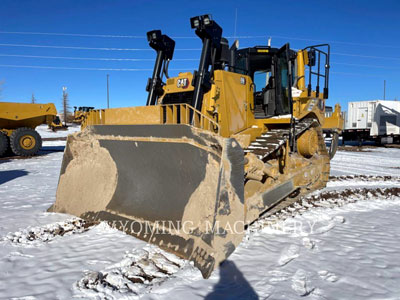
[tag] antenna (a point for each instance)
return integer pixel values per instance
(267, 77)
(108, 91)
(384, 90)
(234, 33)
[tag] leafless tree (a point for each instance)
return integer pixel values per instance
(65, 106)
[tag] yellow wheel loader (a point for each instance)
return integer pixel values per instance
(17, 126)
(211, 151)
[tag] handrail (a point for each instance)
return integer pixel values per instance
(159, 114)
(182, 113)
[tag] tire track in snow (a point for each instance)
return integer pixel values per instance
(367, 178)
(47, 233)
(141, 271)
(328, 199)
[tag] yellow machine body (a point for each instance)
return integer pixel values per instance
(17, 126)
(220, 167)
(80, 113)
(229, 103)
(16, 115)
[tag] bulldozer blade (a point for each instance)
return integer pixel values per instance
(175, 186)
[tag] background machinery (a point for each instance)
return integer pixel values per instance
(17, 126)
(80, 113)
(57, 125)
(211, 151)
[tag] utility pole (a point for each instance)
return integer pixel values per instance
(384, 90)
(108, 91)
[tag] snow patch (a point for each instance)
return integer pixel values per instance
(301, 284)
(326, 275)
(289, 254)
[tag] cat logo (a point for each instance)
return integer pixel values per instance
(182, 83)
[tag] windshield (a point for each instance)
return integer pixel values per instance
(240, 65)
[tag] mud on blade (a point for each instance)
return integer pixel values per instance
(174, 186)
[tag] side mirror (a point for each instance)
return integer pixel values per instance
(311, 57)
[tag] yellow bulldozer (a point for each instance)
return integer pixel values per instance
(17, 126)
(80, 113)
(211, 151)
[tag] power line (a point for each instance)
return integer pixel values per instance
(333, 42)
(84, 69)
(77, 58)
(75, 34)
(133, 70)
(77, 48)
(194, 37)
(87, 48)
(152, 59)
(182, 49)
(356, 74)
(365, 56)
(92, 58)
(115, 35)
(358, 55)
(71, 68)
(362, 65)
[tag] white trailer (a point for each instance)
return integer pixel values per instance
(377, 120)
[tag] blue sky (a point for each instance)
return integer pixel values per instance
(364, 38)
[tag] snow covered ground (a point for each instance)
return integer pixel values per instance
(45, 132)
(331, 251)
(372, 161)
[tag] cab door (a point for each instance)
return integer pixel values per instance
(284, 79)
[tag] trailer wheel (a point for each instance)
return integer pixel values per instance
(25, 141)
(3, 143)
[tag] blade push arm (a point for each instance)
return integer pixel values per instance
(210, 33)
(164, 47)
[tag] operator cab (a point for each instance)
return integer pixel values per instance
(272, 70)
(268, 69)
